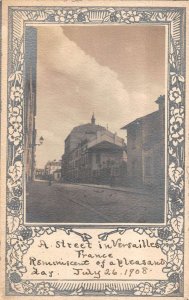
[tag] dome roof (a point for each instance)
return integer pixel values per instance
(81, 133)
(87, 127)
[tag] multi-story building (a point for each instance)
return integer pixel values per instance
(93, 154)
(40, 174)
(146, 148)
(30, 100)
(52, 166)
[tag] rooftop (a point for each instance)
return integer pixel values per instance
(105, 140)
(86, 129)
(139, 120)
(160, 100)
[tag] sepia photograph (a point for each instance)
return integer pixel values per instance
(95, 124)
(94, 162)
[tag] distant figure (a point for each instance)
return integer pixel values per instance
(50, 180)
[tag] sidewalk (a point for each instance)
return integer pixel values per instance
(140, 191)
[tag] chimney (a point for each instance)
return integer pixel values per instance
(93, 119)
(161, 102)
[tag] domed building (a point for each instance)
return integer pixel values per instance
(81, 134)
(93, 154)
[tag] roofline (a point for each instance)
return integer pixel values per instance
(127, 125)
(96, 125)
(138, 120)
(95, 145)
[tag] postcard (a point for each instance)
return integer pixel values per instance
(94, 149)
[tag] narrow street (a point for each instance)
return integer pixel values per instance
(74, 203)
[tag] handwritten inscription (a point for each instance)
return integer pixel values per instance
(115, 259)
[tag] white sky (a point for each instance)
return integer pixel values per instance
(115, 72)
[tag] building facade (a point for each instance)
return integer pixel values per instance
(146, 148)
(93, 154)
(40, 174)
(30, 103)
(57, 175)
(52, 166)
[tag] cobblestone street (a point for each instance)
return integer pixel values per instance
(75, 203)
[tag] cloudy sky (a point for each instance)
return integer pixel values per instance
(117, 72)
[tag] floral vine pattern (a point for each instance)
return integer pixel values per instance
(170, 237)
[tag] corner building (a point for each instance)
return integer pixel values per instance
(146, 148)
(93, 154)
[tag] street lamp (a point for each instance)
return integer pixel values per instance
(41, 140)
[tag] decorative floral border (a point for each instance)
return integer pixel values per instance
(169, 237)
